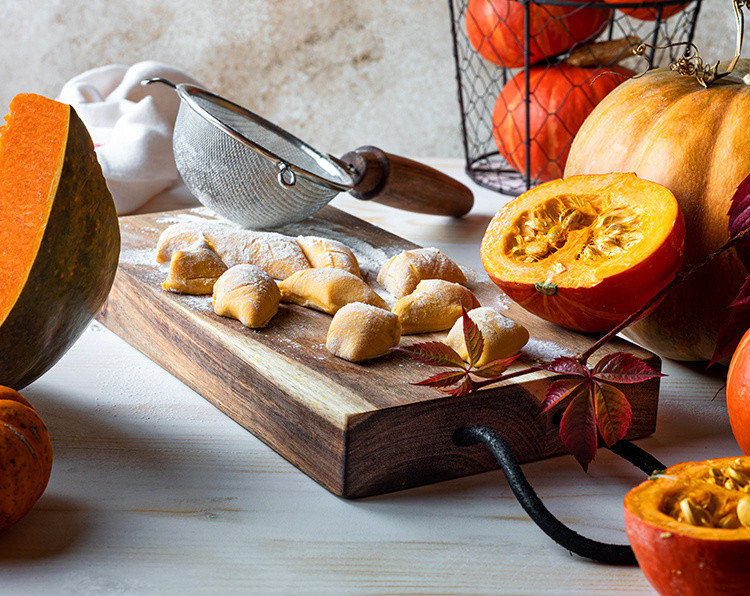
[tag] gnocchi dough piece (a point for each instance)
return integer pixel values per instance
(328, 290)
(194, 270)
(324, 252)
(247, 293)
(361, 331)
(503, 337)
(434, 305)
(276, 254)
(402, 272)
(177, 237)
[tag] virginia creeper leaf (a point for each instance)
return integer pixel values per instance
(739, 218)
(613, 412)
(472, 338)
(445, 379)
(565, 365)
(578, 429)
(735, 325)
(434, 353)
(466, 387)
(559, 390)
(494, 368)
(621, 367)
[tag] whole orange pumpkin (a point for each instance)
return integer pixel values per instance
(496, 29)
(25, 457)
(669, 129)
(649, 14)
(738, 393)
(560, 98)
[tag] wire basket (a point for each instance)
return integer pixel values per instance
(529, 71)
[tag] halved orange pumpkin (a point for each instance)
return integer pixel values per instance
(689, 527)
(585, 252)
(59, 236)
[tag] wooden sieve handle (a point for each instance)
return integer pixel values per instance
(406, 184)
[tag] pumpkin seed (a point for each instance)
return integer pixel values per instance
(743, 511)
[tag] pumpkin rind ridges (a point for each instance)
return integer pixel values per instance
(633, 129)
(72, 272)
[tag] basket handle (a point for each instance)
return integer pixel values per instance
(406, 184)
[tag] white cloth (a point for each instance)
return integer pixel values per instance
(131, 126)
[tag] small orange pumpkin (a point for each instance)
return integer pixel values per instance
(688, 526)
(738, 393)
(651, 13)
(585, 252)
(25, 457)
(495, 29)
(560, 98)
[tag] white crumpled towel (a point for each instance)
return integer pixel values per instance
(131, 126)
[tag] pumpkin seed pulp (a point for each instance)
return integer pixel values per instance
(600, 229)
(726, 508)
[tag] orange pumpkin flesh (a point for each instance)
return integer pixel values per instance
(686, 528)
(59, 236)
(25, 457)
(738, 393)
(587, 251)
(666, 128)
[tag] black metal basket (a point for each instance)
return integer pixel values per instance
(481, 78)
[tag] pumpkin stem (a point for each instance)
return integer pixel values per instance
(693, 65)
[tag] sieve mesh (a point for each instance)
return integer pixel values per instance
(237, 182)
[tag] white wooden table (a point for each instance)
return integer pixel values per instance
(153, 491)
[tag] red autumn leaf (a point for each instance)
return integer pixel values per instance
(472, 338)
(613, 412)
(434, 353)
(578, 429)
(495, 368)
(735, 325)
(737, 321)
(621, 367)
(559, 390)
(739, 218)
(466, 387)
(565, 365)
(445, 379)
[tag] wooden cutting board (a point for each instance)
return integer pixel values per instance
(357, 429)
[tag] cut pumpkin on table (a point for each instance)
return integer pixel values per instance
(689, 526)
(585, 252)
(59, 236)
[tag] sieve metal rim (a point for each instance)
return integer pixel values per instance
(186, 93)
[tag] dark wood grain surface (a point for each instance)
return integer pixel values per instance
(357, 429)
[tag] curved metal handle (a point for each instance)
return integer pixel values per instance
(614, 554)
(145, 82)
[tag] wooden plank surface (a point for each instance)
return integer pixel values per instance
(357, 429)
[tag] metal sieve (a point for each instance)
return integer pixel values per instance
(257, 175)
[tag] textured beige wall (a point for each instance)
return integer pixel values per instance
(336, 73)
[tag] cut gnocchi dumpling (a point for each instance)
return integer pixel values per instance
(324, 252)
(361, 332)
(247, 293)
(402, 272)
(434, 305)
(328, 290)
(194, 270)
(502, 336)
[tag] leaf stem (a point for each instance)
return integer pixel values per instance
(681, 276)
